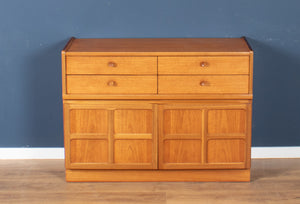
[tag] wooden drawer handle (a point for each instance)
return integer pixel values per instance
(204, 64)
(112, 64)
(204, 83)
(112, 83)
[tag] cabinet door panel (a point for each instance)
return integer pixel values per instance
(88, 121)
(133, 121)
(133, 151)
(110, 135)
(181, 121)
(204, 135)
(226, 121)
(133, 137)
(180, 137)
(227, 136)
(182, 151)
(225, 151)
(89, 151)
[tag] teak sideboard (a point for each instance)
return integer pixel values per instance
(157, 109)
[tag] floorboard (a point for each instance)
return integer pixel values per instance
(42, 181)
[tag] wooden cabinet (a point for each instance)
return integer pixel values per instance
(157, 109)
(110, 136)
(204, 136)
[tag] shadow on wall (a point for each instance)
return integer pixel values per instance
(276, 95)
(44, 103)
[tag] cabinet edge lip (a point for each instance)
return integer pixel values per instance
(68, 45)
(156, 97)
(248, 44)
(157, 54)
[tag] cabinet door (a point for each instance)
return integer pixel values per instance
(204, 136)
(111, 135)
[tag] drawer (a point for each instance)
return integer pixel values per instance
(111, 65)
(203, 65)
(203, 84)
(78, 84)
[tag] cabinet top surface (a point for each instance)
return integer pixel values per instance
(158, 46)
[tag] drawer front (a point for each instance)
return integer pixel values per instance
(111, 65)
(111, 84)
(202, 84)
(203, 65)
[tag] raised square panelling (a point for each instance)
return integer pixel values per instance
(182, 151)
(226, 121)
(177, 121)
(133, 151)
(133, 121)
(89, 151)
(88, 121)
(225, 151)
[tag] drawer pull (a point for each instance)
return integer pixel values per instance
(204, 83)
(112, 64)
(203, 64)
(112, 83)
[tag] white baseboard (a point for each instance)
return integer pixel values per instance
(58, 153)
(275, 152)
(32, 153)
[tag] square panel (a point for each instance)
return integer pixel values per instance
(88, 121)
(182, 121)
(133, 151)
(226, 121)
(133, 121)
(182, 151)
(225, 151)
(89, 151)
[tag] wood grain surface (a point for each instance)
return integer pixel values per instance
(273, 181)
(194, 84)
(162, 46)
(203, 65)
(103, 84)
(111, 65)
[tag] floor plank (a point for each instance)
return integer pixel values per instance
(42, 181)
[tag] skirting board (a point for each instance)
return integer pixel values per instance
(58, 153)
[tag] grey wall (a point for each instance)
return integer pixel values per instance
(33, 32)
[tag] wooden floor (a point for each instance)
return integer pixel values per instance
(42, 181)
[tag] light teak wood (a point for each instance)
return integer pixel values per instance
(89, 151)
(158, 175)
(202, 136)
(82, 84)
(111, 65)
(204, 65)
(159, 46)
(154, 109)
(110, 136)
(202, 84)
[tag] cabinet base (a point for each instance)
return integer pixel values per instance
(157, 175)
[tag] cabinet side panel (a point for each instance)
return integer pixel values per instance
(63, 72)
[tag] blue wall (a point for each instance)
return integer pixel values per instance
(33, 32)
